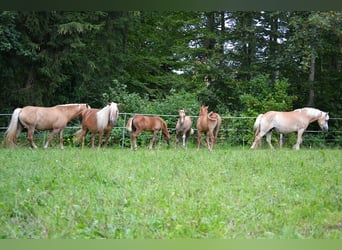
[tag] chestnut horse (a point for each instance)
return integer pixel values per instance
(139, 123)
(183, 128)
(42, 118)
(210, 124)
(98, 122)
(287, 122)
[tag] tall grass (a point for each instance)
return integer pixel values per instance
(170, 193)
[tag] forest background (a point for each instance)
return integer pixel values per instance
(240, 63)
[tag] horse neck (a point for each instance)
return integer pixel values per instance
(181, 119)
(312, 114)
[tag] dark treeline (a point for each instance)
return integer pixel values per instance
(235, 62)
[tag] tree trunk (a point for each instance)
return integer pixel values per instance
(311, 80)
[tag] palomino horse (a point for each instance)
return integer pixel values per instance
(98, 122)
(287, 122)
(210, 124)
(183, 128)
(42, 118)
(139, 123)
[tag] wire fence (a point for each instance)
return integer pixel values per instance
(234, 131)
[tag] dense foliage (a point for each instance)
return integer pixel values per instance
(235, 62)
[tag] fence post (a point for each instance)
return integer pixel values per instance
(280, 140)
(123, 132)
(44, 137)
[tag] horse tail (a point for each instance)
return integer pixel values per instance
(218, 125)
(256, 126)
(212, 118)
(13, 129)
(165, 131)
(129, 124)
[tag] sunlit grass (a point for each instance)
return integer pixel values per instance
(169, 193)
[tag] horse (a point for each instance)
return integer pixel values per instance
(210, 124)
(42, 118)
(98, 122)
(183, 128)
(154, 124)
(286, 122)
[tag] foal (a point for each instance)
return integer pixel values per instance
(183, 128)
(154, 124)
(210, 124)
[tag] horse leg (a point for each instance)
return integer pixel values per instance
(198, 139)
(184, 140)
(52, 135)
(100, 139)
(92, 140)
(30, 133)
(257, 139)
(134, 135)
(212, 139)
(299, 139)
(207, 138)
(15, 139)
(268, 139)
(154, 139)
(177, 139)
(83, 135)
(107, 138)
(61, 139)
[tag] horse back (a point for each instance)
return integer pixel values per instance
(283, 122)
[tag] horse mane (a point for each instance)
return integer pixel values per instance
(310, 111)
(102, 117)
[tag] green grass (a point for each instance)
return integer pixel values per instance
(170, 194)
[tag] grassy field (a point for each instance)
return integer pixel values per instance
(170, 194)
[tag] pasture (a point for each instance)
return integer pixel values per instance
(167, 193)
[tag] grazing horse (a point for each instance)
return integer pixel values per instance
(287, 122)
(98, 122)
(183, 128)
(139, 123)
(210, 124)
(42, 118)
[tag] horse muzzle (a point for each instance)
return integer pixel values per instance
(112, 121)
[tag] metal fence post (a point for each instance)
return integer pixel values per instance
(123, 132)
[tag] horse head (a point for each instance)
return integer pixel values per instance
(204, 110)
(323, 121)
(181, 116)
(113, 112)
